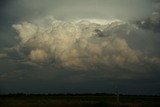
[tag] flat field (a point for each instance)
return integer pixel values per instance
(78, 101)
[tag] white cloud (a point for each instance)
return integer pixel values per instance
(76, 44)
(38, 55)
(26, 30)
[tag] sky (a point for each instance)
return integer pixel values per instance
(80, 46)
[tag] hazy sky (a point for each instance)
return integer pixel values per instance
(80, 46)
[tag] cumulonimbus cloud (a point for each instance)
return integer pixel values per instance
(80, 44)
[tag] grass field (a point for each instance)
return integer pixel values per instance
(78, 101)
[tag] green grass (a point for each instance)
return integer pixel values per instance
(78, 101)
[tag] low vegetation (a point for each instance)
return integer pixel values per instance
(78, 100)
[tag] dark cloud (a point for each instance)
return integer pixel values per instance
(93, 47)
(79, 9)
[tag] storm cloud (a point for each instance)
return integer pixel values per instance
(80, 42)
(77, 43)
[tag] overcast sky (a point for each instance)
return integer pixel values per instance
(80, 46)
